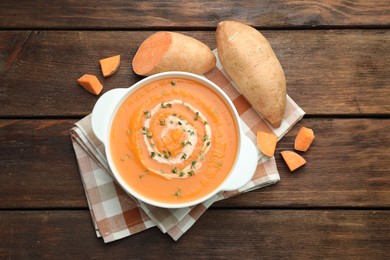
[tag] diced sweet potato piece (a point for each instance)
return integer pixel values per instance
(304, 139)
(293, 160)
(90, 83)
(110, 65)
(267, 143)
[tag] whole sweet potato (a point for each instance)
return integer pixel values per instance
(250, 61)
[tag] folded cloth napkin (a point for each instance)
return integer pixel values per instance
(116, 214)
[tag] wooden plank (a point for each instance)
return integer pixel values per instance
(179, 14)
(343, 72)
(233, 234)
(11, 45)
(38, 166)
(348, 165)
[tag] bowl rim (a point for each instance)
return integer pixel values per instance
(128, 92)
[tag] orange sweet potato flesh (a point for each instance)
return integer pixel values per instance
(293, 160)
(110, 65)
(266, 143)
(304, 139)
(90, 83)
(170, 51)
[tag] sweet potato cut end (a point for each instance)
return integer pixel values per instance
(90, 83)
(293, 160)
(266, 143)
(304, 139)
(110, 65)
(150, 52)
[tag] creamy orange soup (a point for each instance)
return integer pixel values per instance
(173, 140)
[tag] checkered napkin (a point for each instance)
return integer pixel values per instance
(116, 214)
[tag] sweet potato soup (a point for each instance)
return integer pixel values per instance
(173, 140)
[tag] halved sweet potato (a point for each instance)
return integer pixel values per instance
(170, 51)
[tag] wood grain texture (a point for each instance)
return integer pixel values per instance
(348, 165)
(37, 165)
(219, 234)
(342, 72)
(181, 14)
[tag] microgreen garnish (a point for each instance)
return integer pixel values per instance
(166, 105)
(196, 116)
(188, 108)
(146, 171)
(162, 122)
(126, 157)
(181, 174)
(219, 164)
(185, 143)
(180, 123)
(159, 155)
(173, 83)
(193, 163)
(191, 132)
(208, 144)
(184, 156)
(152, 154)
(191, 173)
(205, 122)
(152, 144)
(167, 154)
(174, 114)
(147, 114)
(128, 131)
(146, 132)
(177, 193)
(142, 176)
(201, 156)
(174, 170)
(205, 137)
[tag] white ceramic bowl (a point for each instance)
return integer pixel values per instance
(108, 104)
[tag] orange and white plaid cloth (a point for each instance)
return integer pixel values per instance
(115, 214)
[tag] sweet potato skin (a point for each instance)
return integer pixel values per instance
(250, 61)
(185, 53)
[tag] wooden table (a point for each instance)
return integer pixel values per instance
(336, 57)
